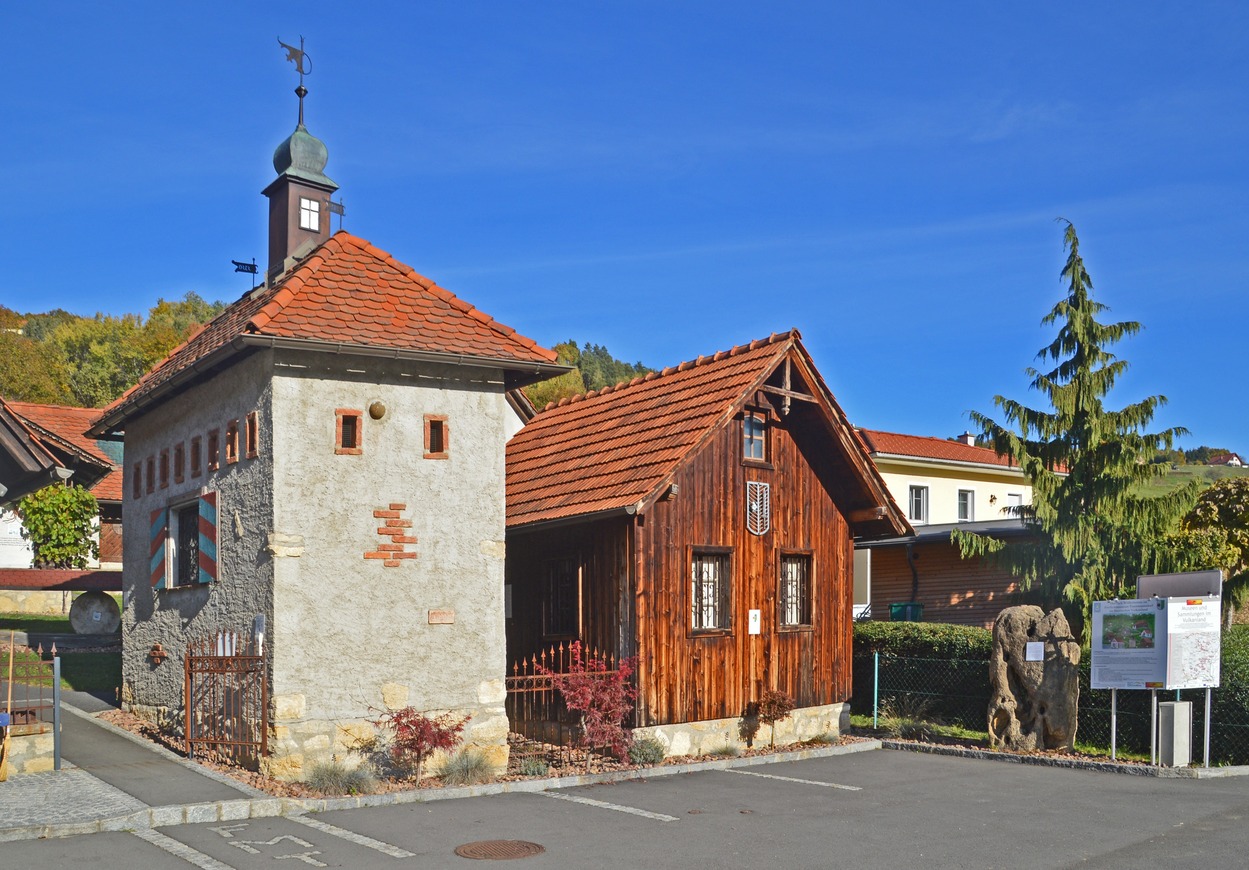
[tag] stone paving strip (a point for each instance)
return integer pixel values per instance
(1071, 763)
(255, 808)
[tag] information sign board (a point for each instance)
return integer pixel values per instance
(1156, 643)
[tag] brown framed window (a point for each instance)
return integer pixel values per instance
(151, 474)
(197, 456)
(437, 436)
(710, 590)
(561, 598)
(253, 435)
(136, 484)
(348, 431)
(179, 462)
(232, 442)
(793, 594)
(164, 468)
(755, 436)
(214, 449)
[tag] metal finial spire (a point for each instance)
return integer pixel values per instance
(303, 63)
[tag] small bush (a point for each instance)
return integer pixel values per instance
(415, 737)
(773, 707)
(334, 778)
(826, 737)
(908, 717)
(646, 751)
(469, 767)
(534, 767)
(728, 750)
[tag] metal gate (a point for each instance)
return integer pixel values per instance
(227, 700)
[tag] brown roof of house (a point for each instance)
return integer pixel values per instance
(614, 449)
(925, 447)
(350, 294)
(66, 428)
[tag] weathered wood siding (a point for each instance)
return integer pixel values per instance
(688, 676)
(952, 589)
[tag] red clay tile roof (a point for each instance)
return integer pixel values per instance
(67, 427)
(346, 292)
(925, 447)
(611, 449)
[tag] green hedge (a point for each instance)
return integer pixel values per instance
(925, 640)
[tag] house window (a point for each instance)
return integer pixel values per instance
(1014, 501)
(214, 450)
(253, 435)
(184, 535)
(136, 485)
(561, 600)
(197, 456)
(436, 436)
(755, 436)
(309, 214)
(232, 442)
(179, 462)
(918, 504)
(966, 505)
(348, 435)
(794, 595)
(151, 474)
(164, 468)
(183, 542)
(709, 595)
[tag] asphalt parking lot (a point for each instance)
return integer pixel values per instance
(874, 809)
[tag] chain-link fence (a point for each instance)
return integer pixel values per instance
(956, 692)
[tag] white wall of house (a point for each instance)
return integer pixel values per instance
(988, 489)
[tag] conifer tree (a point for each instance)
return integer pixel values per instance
(1091, 531)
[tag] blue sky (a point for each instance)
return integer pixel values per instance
(671, 179)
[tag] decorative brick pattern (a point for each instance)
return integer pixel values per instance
(397, 534)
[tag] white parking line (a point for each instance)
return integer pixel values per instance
(590, 802)
(180, 850)
(353, 837)
(795, 779)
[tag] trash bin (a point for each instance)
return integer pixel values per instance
(906, 611)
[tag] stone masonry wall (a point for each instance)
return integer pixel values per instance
(711, 735)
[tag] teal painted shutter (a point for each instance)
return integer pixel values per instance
(208, 537)
(158, 531)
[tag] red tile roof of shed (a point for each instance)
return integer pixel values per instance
(925, 447)
(69, 425)
(347, 292)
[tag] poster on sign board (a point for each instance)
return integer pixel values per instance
(1194, 642)
(1126, 652)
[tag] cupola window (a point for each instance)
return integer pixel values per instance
(309, 214)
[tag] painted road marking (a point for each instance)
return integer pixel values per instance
(795, 779)
(353, 837)
(591, 802)
(180, 850)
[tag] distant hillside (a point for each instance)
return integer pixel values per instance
(595, 368)
(1207, 474)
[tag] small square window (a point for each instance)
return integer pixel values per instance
(136, 485)
(709, 591)
(197, 456)
(309, 214)
(232, 442)
(755, 436)
(164, 468)
(151, 474)
(214, 450)
(917, 510)
(348, 437)
(794, 595)
(966, 505)
(253, 435)
(437, 436)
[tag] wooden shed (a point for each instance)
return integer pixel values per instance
(702, 519)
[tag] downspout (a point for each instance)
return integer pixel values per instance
(910, 560)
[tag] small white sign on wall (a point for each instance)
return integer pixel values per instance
(756, 621)
(1035, 651)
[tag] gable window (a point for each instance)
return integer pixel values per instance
(179, 463)
(561, 599)
(197, 460)
(917, 504)
(755, 436)
(136, 485)
(966, 505)
(348, 435)
(794, 594)
(232, 442)
(253, 435)
(436, 436)
(709, 590)
(214, 450)
(151, 474)
(309, 214)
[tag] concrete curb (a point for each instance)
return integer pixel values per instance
(1071, 763)
(267, 806)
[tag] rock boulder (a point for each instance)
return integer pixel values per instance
(1033, 703)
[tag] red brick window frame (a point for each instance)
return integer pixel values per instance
(179, 462)
(164, 468)
(214, 449)
(151, 474)
(232, 442)
(437, 437)
(136, 485)
(253, 435)
(197, 456)
(348, 431)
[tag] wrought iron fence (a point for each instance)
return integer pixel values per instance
(956, 692)
(34, 699)
(227, 701)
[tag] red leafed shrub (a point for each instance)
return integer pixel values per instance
(773, 707)
(416, 736)
(603, 697)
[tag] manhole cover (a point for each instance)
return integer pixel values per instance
(499, 850)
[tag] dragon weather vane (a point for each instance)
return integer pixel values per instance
(303, 63)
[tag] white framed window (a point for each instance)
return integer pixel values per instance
(966, 505)
(1014, 501)
(309, 214)
(709, 590)
(917, 504)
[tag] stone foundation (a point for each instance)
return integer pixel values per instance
(35, 602)
(712, 735)
(31, 753)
